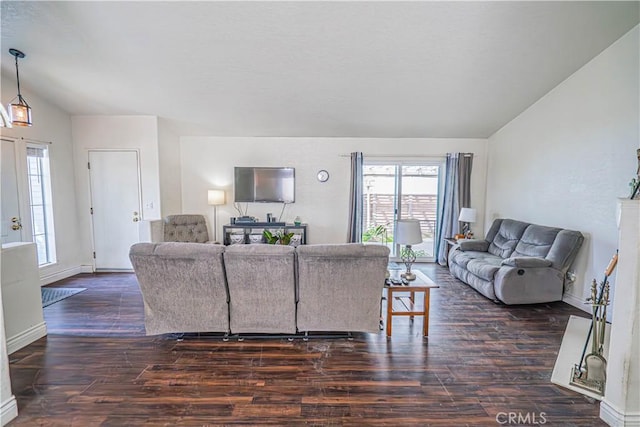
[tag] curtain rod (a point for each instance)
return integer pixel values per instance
(14, 139)
(390, 156)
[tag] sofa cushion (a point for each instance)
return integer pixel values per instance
(473, 245)
(527, 261)
(507, 237)
(484, 268)
(536, 241)
(462, 258)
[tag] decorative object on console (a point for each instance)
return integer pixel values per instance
(216, 198)
(279, 237)
(243, 232)
(467, 216)
(20, 112)
(407, 232)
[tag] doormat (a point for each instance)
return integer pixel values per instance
(53, 295)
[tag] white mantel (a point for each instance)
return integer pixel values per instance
(621, 403)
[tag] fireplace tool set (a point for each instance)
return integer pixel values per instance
(590, 372)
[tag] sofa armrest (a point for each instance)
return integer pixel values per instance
(479, 245)
(527, 261)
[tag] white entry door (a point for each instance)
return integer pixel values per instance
(11, 220)
(115, 205)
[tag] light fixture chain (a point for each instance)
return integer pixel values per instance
(18, 79)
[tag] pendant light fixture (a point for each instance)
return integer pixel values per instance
(20, 112)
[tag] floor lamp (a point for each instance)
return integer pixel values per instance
(216, 198)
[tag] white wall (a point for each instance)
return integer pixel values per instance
(208, 162)
(50, 123)
(115, 132)
(169, 158)
(565, 160)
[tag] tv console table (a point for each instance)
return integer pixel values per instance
(251, 232)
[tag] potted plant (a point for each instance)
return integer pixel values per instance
(377, 233)
(279, 237)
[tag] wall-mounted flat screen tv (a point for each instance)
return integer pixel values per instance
(263, 184)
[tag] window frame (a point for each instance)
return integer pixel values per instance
(45, 183)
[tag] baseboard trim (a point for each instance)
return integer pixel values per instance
(9, 410)
(86, 269)
(26, 337)
(576, 302)
(59, 275)
(616, 418)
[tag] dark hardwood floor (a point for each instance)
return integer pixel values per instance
(97, 368)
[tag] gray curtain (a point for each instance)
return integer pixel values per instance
(465, 163)
(355, 199)
(457, 194)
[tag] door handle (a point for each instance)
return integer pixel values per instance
(136, 217)
(16, 224)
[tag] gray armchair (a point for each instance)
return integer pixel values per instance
(183, 228)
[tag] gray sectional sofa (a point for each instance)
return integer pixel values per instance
(191, 287)
(517, 262)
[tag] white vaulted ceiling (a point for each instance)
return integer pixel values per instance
(369, 69)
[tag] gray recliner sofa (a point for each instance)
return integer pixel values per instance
(339, 287)
(517, 262)
(260, 288)
(183, 287)
(261, 281)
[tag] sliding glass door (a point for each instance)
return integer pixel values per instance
(401, 190)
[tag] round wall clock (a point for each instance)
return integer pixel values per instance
(323, 175)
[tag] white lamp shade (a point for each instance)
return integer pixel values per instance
(467, 215)
(408, 232)
(216, 197)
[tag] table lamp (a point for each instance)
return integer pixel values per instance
(408, 233)
(216, 198)
(467, 216)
